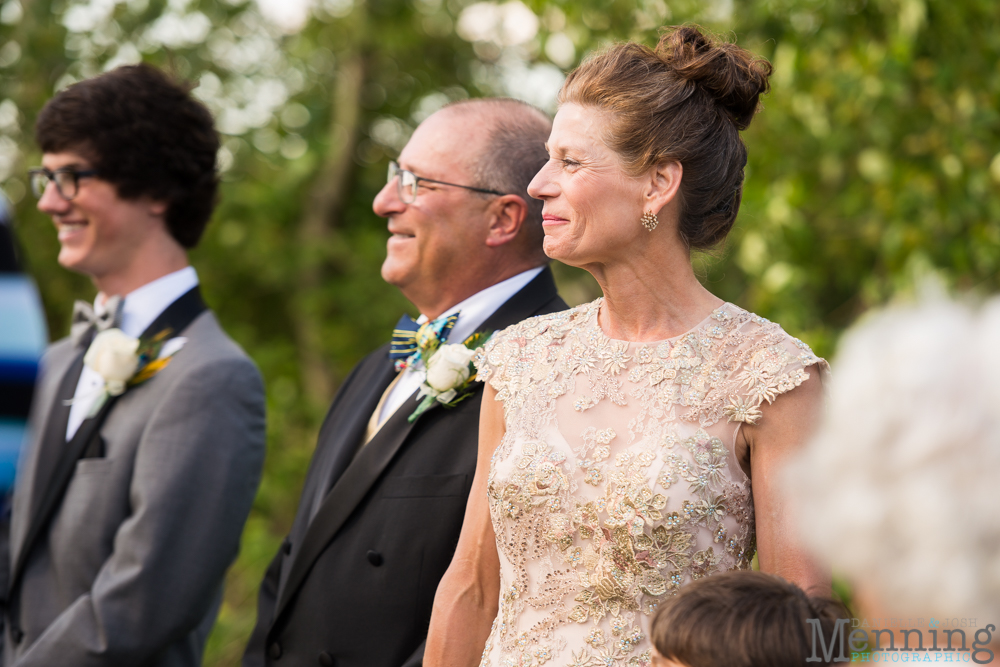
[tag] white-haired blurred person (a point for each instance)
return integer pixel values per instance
(898, 490)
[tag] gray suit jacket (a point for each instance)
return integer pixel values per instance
(128, 569)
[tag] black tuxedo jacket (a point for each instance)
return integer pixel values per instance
(353, 586)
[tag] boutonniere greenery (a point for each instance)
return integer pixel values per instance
(124, 361)
(450, 373)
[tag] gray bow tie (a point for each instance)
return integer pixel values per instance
(87, 321)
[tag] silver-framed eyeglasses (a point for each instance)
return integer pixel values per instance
(67, 180)
(408, 183)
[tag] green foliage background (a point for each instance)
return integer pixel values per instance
(876, 161)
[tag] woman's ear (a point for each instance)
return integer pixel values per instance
(664, 183)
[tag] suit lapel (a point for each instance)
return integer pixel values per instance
(50, 446)
(57, 458)
(339, 438)
(526, 303)
(344, 438)
(53, 441)
(176, 317)
(60, 466)
(347, 493)
(361, 473)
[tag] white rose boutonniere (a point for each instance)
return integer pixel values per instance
(450, 374)
(124, 361)
(447, 370)
(115, 356)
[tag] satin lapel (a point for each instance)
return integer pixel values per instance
(51, 444)
(347, 436)
(339, 438)
(362, 473)
(178, 315)
(52, 492)
(58, 458)
(529, 301)
(346, 495)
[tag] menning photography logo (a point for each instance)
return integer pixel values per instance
(902, 640)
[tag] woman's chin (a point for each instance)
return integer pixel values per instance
(558, 251)
(575, 259)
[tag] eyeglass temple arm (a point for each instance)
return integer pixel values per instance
(456, 185)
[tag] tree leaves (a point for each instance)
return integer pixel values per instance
(876, 160)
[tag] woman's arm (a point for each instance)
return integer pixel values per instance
(785, 427)
(467, 597)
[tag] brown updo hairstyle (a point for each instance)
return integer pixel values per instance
(685, 101)
(743, 619)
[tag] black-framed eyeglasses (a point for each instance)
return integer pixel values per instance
(67, 180)
(408, 183)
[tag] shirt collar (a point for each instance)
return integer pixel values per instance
(478, 307)
(145, 304)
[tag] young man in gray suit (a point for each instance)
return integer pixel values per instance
(148, 422)
(383, 501)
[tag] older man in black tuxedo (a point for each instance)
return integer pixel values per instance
(384, 499)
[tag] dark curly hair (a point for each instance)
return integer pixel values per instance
(743, 619)
(145, 134)
(685, 101)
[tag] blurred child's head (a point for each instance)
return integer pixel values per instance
(742, 619)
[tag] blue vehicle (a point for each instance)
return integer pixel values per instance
(23, 337)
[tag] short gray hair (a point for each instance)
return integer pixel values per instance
(514, 152)
(898, 489)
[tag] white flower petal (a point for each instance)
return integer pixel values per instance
(112, 354)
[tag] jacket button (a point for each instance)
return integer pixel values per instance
(375, 558)
(286, 547)
(17, 634)
(325, 659)
(275, 651)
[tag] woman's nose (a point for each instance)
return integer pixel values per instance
(541, 185)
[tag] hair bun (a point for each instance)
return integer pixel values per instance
(733, 76)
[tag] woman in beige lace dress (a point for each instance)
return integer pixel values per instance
(618, 439)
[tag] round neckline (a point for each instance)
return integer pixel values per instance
(597, 325)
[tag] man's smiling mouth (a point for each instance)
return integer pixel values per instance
(69, 227)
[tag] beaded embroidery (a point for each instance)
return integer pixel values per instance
(616, 481)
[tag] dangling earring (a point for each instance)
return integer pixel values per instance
(649, 220)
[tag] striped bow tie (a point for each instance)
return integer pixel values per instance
(410, 340)
(87, 321)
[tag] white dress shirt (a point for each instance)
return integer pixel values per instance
(141, 307)
(474, 311)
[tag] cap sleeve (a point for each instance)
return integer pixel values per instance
(507, 360)
(491, 360)
(770, 363)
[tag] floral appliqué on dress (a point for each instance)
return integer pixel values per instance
(616, 481)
